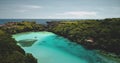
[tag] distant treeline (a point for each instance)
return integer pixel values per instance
(24, 26)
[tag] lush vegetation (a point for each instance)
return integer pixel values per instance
(10, 52)
(92, 34)
(24, 26)
(102, 35)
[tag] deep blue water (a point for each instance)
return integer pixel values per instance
(40, 21)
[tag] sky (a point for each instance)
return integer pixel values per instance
(59, 9)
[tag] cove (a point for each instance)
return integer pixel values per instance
(51, 48)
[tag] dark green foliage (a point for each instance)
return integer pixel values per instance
(24, 26)
(14, 57)
(93, 34)
(29, 59)
(8, 44)
(105, 34)
(10, 52)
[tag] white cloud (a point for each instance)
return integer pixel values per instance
(32, 6)
(78, 13)
(26, 8)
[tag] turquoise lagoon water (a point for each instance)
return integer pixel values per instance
(51, 48)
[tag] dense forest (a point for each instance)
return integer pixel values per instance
(24, 26)
(103, 34)
(92, 34)
(10, 52)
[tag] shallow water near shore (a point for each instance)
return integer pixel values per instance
(51, 48)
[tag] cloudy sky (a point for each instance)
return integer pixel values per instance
(59, 9)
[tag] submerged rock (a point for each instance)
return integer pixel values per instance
(27, 42)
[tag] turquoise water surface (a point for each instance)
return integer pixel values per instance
(51, 48)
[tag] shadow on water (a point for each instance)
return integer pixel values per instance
(27, 42)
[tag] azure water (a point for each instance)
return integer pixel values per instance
(51, 48)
